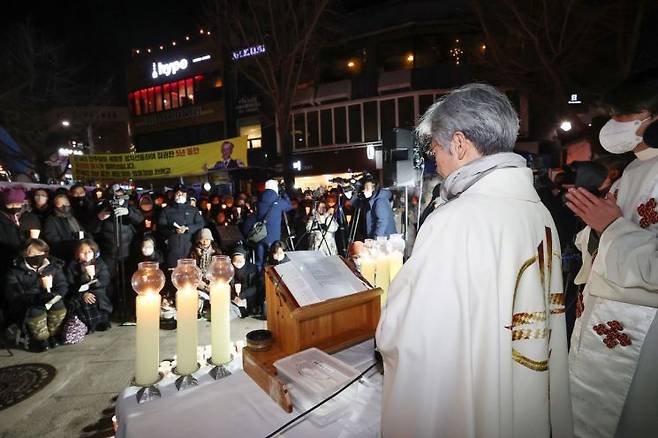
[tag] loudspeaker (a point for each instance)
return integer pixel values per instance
(397, 149)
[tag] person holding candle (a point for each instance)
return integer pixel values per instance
(39, 210)
(246, 284)
(89, 279)
(203, 252)
(35, 286)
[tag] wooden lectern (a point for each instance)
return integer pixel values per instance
(331, 326)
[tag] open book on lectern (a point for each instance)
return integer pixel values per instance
(312, 277)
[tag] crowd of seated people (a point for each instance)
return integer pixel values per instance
(62, 249)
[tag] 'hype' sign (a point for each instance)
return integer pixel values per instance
(168, 68)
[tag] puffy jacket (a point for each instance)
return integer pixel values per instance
(24, 290)
(104, 232)
(179, 245)
(76, 276)
(58, 234)
(379, 215)
(279, 205)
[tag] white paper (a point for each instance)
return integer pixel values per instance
(312, 277)
(84, 288)
(50, 303)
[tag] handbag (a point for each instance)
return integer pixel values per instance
(258, 231)
(74, 330)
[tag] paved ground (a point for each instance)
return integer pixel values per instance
(79, 402)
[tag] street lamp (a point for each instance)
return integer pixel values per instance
(565, 126)
(66, 123)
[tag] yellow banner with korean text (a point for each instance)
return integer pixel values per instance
(184, 161)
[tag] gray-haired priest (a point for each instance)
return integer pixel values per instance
(473, 335)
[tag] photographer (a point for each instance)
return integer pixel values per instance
(273, 203)
(375, 205)
(115, 220)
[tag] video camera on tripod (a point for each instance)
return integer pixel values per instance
(350, 185)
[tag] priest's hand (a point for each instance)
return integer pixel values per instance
(596, 212)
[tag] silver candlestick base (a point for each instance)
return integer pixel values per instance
(220, 371)
(148, 393)
(186, 380)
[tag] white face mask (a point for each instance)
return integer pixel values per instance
(87, 258)
(181, 199)
(238, 265)
(279, 256)
(368, 195)
(147, 251)
(620, 137)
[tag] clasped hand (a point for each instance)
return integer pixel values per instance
(596, 212)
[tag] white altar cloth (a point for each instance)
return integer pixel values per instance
(236, 406)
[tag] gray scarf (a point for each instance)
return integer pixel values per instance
(463, 178)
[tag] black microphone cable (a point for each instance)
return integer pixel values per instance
(308, 411)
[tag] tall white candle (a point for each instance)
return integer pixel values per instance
(395, 263)
(368, 269)
(220, 324)
(382, 275)
(147, 338)
(187, 305)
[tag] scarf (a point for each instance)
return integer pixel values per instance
(71, 221)
(463, 178)
(205, 257)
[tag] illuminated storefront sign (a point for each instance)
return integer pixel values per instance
(168, 68)
(249, 51)
(201, 58)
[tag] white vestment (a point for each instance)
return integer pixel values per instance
(473, 334)
(614, 387)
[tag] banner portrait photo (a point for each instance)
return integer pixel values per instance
(184, 161)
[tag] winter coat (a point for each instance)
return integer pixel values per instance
(279, 205)
(24, 290)
(83, 211)
(250, 279)
(76, 276)
(104, 232)
(379, 214)
(11, 238)
(59, 235)
(179, 245)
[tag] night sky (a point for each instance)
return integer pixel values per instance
(99, 35)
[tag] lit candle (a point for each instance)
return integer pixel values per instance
(382, 275)
(34, 234)
(395, 263)
(220, 273)
(148, 338)
(368, 269)
(147, 281)
(187, 305)
(147, 223)
(220, 323)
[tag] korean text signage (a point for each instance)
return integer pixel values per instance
(184, 161)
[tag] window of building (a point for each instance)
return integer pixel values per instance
(424, 102)
(340, 128)
(299, 131)
(406, 117)
(166, 96)
(327, 127)
(158, 99)
(387, 115)
(312, 126)
(354, 114)
(370, 121)
(252, 130)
